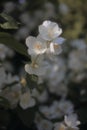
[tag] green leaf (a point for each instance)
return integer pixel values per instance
(11, 42)
(9, 25)
(6, 17)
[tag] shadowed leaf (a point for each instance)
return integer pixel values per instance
(11, 42)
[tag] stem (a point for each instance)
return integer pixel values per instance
(34, 61)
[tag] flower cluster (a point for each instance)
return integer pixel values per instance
(46, 44)
(70, 123)
(45, 64)
(47, 94)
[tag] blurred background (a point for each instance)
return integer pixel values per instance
(71, 15)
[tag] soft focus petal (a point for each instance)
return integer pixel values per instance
(55, 49)
(59, 40)
(26, 100)
(49, 30)
(35, 45)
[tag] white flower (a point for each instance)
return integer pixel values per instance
(12, 94)
(55, 46)
(49, 30)
(26, 100)
(47, 41)
(57, 109)
(37, 70)
(36, 67)
(71, 121)
(44, 125)
(35, 45)
(59, 40)
(59, 126)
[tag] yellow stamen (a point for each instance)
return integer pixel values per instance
(56, 46)
(37, 46)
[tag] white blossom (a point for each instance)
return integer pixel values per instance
(71, 121)
(37, 67)
(49, 30)
(26, 100)
(35, 45)
(55, 48)
(40, 46)
(59, 126)
(57, 109)
(12, 94)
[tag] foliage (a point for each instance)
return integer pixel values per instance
(21, 18)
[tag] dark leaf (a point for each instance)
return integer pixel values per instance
(4, 118)
(11, 42)
(6, 17)
(4, 103)
(10, 24)
(27, 116)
